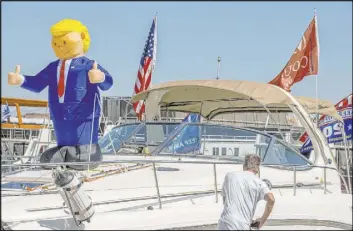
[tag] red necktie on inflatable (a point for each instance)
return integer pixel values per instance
(61, 84)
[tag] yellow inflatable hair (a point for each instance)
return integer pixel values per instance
(70, 25)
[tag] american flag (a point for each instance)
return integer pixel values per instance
(146, 67)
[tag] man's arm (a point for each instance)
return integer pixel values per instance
(269, 206)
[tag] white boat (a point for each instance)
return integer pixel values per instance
(154, 187)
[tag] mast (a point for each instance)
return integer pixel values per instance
(218, 65)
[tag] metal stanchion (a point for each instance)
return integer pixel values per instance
(157, 187)
(295, 181)
(215, 182)
(325, 181)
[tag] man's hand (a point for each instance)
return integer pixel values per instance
(95, 75)
(268, 209)
(261, 222)
(14, 78)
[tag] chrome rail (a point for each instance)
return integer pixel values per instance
(26, 141)
(157, 186)
(214, 163)
(295, 181)
(215, 182)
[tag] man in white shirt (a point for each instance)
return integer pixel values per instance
(241, 192)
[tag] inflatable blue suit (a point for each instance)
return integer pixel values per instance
(74, 82)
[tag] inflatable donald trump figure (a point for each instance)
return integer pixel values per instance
(73, 83)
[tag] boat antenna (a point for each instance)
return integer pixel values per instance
(218, 65)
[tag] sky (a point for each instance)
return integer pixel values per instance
(254, 40)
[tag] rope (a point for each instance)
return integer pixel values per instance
(113, 172)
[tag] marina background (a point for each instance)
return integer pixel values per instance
(254, 39)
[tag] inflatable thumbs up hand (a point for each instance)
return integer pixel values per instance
(14, 78)
(95, 75)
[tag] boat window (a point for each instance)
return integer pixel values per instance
(224, 151)
(262, 143)
(5, 133)
(27, 134)
(236, 152)
(115, 136)
(139, 136)
(279, 154)
(223, 132)
(19, 148)
(152, 133)
(203, 139)
(35, 133)
(215, 151)
(169, 128)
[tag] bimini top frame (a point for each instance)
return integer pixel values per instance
(214, 97)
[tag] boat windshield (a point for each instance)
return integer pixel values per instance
(136, 134)
(281, 154)
(203, 139)
(115, 137)
(214, 140)
(152, 133)
(227, 142)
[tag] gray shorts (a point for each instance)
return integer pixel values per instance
(78, 153)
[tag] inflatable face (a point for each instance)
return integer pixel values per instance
(69, 39)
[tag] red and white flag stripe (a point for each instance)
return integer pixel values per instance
(146, 67)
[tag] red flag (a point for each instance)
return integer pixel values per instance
(304, 61)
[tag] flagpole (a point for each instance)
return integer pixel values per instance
(218, 65)
(318, 58)
(155, 41)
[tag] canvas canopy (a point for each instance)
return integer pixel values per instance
(214, 97)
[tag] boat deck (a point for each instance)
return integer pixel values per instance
(196, 212)
(188, 199)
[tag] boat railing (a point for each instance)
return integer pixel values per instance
(27, 141)
(30, 150)
(18, 133)
(211, 137)
(244, 123)
(153, 162)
